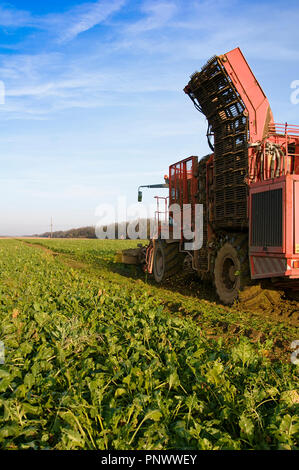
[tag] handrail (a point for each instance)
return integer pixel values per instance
(285, 129)
(158, 211)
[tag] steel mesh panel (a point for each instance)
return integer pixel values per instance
(267, 213)
(215, 95)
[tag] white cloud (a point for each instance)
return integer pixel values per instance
(40, 84)
(10, 17)
(64, 26)
(133, 71)
(81, 18)
(157, 15)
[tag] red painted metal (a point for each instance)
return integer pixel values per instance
(278, 261)
(161, 214)
(261, 187)
(149, 258)
(183, 185)
(273, 162)
(286, 136)
(273, 158)
(262, 129)
(296, 219)
(252, 95)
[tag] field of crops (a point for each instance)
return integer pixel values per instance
(99, 357)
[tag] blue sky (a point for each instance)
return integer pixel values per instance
(94, 95)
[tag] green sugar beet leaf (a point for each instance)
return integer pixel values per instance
(98, 357)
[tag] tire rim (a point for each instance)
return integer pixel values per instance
(159, 262)
(228, 276)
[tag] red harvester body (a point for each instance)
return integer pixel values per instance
(248, 186)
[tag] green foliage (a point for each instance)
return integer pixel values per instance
(91, 363)
(82, 232)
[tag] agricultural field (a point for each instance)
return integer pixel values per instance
(99, 357)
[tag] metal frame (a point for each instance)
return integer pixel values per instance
(273, 256)
(268, 154)
(179, 175)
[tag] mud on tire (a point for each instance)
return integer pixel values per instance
(231, 271)
(168, 260)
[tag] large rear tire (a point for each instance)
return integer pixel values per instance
(168, 260)
(231, 271)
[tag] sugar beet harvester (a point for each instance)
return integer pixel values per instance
(248, 187)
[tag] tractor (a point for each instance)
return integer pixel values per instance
(247, 189)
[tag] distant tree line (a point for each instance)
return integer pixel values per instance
(90, 231)
(82, 232)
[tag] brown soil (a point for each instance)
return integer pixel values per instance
(258, 299)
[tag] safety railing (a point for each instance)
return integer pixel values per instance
(284, 129)
(286, 138)
(161, 214)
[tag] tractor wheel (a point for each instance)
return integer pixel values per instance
(231, 272)
(168, 260)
